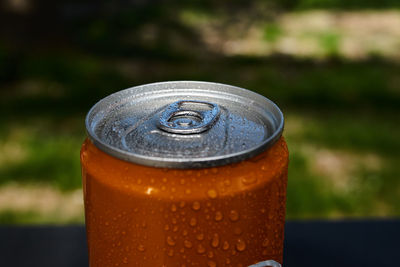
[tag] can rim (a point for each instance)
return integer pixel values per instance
(185, 163)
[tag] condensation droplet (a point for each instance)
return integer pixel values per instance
(212, 264)
(265, 252)
(218, 216)
(263, 167)
(227, 182)
(210, 254)
(125, 260)
(173, 207)
(188, 191)
(215, 241)
(170, 241)
(212, 193)
(237, 231)
(182, 181)
(185, 232)
(225, 246)
(187, 244)
(233, 215)
(265, 243)
(200, 236)
(249, 179)
(240, 245)
(201, 249)
(196, 205)
(182, 204)
(171, 252)
(141, 248)
(193, 222)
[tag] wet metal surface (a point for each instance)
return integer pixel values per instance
(184, 124)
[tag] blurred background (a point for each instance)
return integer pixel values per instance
(333, 66)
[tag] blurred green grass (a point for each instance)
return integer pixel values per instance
(339, 105)
(31, 217)
(348, 109)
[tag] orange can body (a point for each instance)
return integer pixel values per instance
(230, 215)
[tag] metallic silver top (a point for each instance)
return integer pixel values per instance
(184, 124)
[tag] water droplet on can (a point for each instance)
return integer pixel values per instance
(233, 215)
(249, 179)
(200, 236)
(218, 216)
(225, 246)
(170, 241)
(215, 241)
(212, 193)
(237, 231)
(187, 244)
(265, 243)
(171, 252)
(201, 249)
(240, 245)
(193, 222)
(173, 207)
(196, 205)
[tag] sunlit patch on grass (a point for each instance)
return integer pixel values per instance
(39, 204)
(316, 34)
(333, 163)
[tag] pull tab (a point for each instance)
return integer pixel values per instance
(189, 117)
(269, 263)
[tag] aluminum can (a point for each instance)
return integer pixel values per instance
(184, 174)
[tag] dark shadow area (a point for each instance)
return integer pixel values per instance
(307, 244)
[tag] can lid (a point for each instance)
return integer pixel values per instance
(184, 124)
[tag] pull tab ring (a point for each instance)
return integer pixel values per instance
(180, 120)
(269, 263)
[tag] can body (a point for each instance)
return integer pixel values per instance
(230, 215)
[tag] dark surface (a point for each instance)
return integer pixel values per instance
(308, 244)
